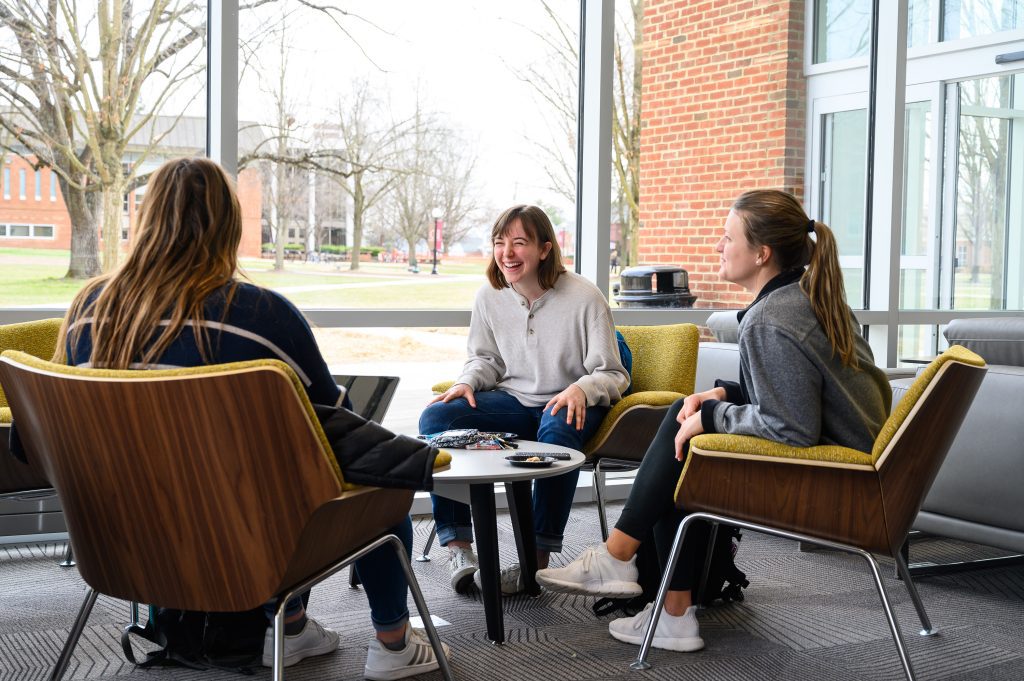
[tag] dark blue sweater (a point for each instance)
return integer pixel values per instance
(259, 324)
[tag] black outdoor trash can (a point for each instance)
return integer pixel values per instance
(670, 287)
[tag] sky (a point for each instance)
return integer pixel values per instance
(464, 55)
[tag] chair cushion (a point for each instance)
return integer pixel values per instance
(956, 353)
(5, 415)
(753, 446)
(1000, 340)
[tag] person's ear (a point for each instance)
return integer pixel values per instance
(544, 251)
(764, 254)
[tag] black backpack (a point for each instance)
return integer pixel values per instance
(201, 640)
(724, 581)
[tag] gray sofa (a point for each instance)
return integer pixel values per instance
(978, 493)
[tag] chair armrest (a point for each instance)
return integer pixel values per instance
(629, 426)
(439, 388)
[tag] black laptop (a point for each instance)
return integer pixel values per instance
(371, 395)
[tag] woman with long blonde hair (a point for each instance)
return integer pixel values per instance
(806, 378)
(177, 302)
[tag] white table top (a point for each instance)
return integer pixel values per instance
(471, 466)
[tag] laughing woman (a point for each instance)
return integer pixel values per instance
(543, 363)
(806, 378)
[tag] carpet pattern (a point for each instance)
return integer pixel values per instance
(807, 615)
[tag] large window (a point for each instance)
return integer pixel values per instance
(152, 81)
(966, 18)
(373, 166)
(843, 186)
(987, 131)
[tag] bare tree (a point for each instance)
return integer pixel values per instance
(371, 150)
(80, 83)
(555, 81)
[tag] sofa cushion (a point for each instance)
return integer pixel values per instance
(1000, 340)
(716, 361)
(725, 326)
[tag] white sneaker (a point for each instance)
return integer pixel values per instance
(417, 657)
(681, 634)
(595, 572)
(311, 641)
(510, 579)
(462, 563)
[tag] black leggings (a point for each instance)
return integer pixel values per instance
(650, 508)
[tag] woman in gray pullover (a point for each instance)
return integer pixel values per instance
(806, 378)
(543, 363)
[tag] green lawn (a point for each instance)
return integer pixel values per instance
(35, 277)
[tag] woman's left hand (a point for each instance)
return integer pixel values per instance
(574, 400)
(690, 427)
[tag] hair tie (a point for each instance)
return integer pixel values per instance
(810, 226)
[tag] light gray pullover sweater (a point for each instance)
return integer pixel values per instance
(535, 352)
(793, 389)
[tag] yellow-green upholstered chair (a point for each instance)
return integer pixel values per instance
(840, 498)
(25, 483)
(38, 339)
(664, 369)
(243, 499)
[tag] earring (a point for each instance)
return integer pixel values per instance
(758, 261)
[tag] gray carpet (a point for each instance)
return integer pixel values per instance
(808, 616)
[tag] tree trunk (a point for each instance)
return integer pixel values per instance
(358, 209)
(85, 244)
(111, 211)
(279, 221)
(413, 265)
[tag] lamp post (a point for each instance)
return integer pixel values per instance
(436, 214)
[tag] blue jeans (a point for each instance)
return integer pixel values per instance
(498, 411)
(383, 581)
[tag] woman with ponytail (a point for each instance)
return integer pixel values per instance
(807, 377)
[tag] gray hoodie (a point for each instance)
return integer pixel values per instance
(793, 389)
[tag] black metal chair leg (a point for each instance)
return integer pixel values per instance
(425, 556)
(73, 636)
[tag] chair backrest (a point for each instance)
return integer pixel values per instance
(188, 488)
(664, 357)
(917, 436)
(36, 338)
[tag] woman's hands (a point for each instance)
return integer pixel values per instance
(456, 391)
(690, 426)
(574, 400)
(691, 404)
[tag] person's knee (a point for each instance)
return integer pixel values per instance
(438, 416)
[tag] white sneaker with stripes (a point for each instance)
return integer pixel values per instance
(417, 657)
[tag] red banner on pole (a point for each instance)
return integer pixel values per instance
(438, 234)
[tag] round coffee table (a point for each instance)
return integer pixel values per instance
(470, 479)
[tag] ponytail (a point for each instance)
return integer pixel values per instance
(823, 284)
(776, 219)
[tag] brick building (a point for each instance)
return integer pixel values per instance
(723, 110)
(32, 210)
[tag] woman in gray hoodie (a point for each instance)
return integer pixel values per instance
(807, 377)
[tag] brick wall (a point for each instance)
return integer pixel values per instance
(29, 211)
(15, 210)
(723, 111)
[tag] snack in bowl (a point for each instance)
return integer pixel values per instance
(534, 458)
